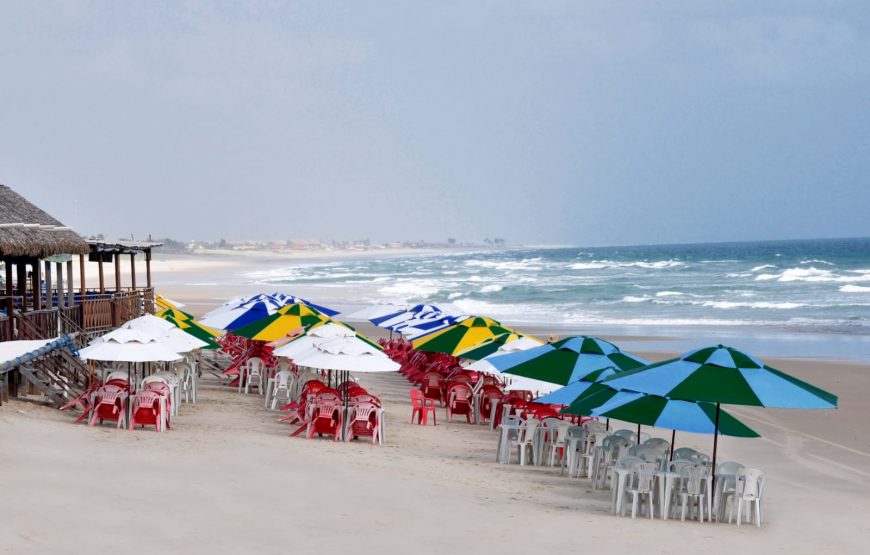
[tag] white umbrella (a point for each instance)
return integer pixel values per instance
(310, 340)
(132, 351)
(143, 330)
(531, 384)
(348, 354)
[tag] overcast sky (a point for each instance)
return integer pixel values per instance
(571, 122)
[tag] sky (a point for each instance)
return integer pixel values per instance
(575, 122)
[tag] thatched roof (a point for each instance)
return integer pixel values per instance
(27, 231)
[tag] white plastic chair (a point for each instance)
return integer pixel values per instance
(615, 448)
(525, 441)
(644, 478)
(575, 448)
(694, 488)
(253, 374)
(726, 485)
(626, 434)
(594, 426)
(281, 384)
(658, 444)
(750, 490)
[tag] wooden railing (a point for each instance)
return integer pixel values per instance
(38, 324)
(97, 314)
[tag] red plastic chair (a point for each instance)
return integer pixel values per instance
(459, 401)
(421, 407)
(364, 420)
(355, 391)
(110, 403)
(433, 387)
(364, 398)
(147, 408)
(326, 419)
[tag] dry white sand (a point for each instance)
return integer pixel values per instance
(227, 479)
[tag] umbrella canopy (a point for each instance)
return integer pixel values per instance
(415, 312)
(579, 389)
(723, 375)
(348, 354)
(174, 313)
(131, 351)
(373, 312)
(239, 316)
(499, 344)
(293, 299)
(461, 336)
(198, 331)
(282, 323)
(686, 416)
(164, 303)
(566, 361)
(148, 328)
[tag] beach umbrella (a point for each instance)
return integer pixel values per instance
(174, 313)
(723, 375)
(427, 322)
(198, 331)
(566, 361)
(239, 316)
(283, 299)
(374, 311)
(288, 319)
(347, 354)
(579, 389)
(131, 351)
(312, 338)
(673, 414)
(164, 303)
(460, 336)
(415, 312)
(498, 344)
(149, 328)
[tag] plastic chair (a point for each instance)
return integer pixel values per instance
(658, 444)
(421, 406)
(525, 439)
(280, 385)
(433, 387)
(110, 403)
(626, 434)
(326, 419)
(253, 375)
(644, 477)
(694, 488)
(148, 407)
(459, 401)
(615, 447)
(683, 453)
(364, 420)
(594, 426)
(749, 492)
(575, 448)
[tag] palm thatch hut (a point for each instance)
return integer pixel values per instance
(27, 231)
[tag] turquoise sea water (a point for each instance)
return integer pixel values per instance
(743, 291)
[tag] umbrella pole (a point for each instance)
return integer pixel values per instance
(607, 425)
(638, 434)
(673, 438)
(715, 446)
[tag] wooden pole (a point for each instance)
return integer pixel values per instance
(70, 294)
(102, 278)
(37, 285)
(58, 267)
(148, 267)
(48, 284)
(21, 267)
(133, 270)
(117, 273)
(82, 286)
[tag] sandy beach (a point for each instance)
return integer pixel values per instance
(227, 479)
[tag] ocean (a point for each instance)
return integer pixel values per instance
(791, 292)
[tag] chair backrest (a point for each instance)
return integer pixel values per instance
(363, 399)
(416, 398)
(527, 428)
(750, 482)
(255, 364)
(283, 378)
(460, 392)
(363, 411)
(109, 394)
(154, 379)
(627, 434)
(313, 387)
(692, 475)
(146, 398)
(658, 444)
(594, 426)
(678, 465)
(728, 468)
(327, 397)
(576, 432)
(285, 364)
(644, 473)
(647, 453)
(628, 461)
(432, 379)
(683, 453)
(118, 375)
(328, 409)
(619, 448)
(511, 420)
